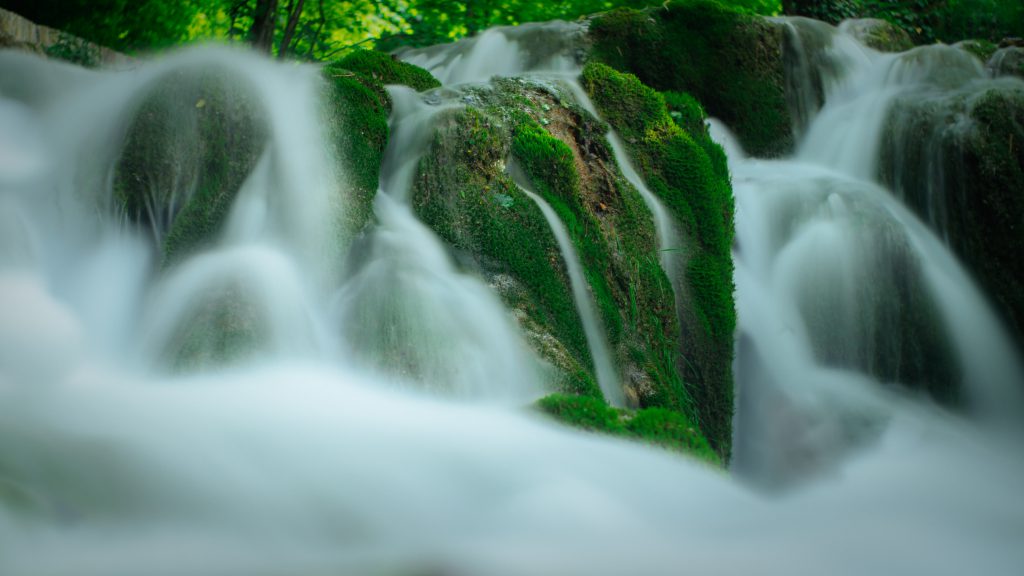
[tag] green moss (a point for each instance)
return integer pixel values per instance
(677, 167)
(386, 69)
(585, 413)
(194, 140)
(466, 198)
(881, 35)
(654, 426)
(689, 115)
(548, 162)
(982, 49)
(463, 193)
(358, 108)
(686, 111)
(730, 62)
(670, 430)
(225, 329)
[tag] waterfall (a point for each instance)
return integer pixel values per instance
(339, 439)
(503, 51)
(838, 277)
(407, 309)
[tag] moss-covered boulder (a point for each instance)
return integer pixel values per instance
(357, 124)
(1008, 61)
(879, 34)
(225, 327)
(694, 185)
(654, 426)
(357, 120)
(731, 62)
(981, 49)
(464, 192)
(386, 69)
(957, 160)
(194, 138)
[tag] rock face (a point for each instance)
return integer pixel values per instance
(21, 34)
(963, 172)
(194, 139)
(1008, 61)
(688, 172)
(357, 119)
(732, 63)
(466, 191)
(878, 34)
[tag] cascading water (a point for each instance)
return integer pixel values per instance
(840, 288)
(502, 51)
(304, 463)
(406, 308)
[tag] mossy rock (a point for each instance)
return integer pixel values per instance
(224, 329)
(386, 69)
(689, 115)
(655, 426)
(357, 124)
(981, 49)
(1008, 61)
(879, 34)
(465, 194)
(358, 107)
(731, 62)
(194, 138)
(568, 162)
(676, 166)
(980, 164)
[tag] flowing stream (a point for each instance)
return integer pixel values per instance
(607, 377)
(317, 456)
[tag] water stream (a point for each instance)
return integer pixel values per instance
(607, 376)
(406, 309)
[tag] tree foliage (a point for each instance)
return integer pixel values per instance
(325, 29)
(305, 29)
(926, 20)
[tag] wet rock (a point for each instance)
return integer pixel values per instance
(879, 34)
(1007, 61)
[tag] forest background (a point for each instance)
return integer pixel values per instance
(323, 30)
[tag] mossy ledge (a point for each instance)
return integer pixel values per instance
(463, 193)
(654, 426)
(730, 62)
(386, 69)
(688, 172)
(194, 139)
(357, 119)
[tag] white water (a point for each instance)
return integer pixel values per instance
(819, 249)
(502, 51)
(309, 464)
(607, 376)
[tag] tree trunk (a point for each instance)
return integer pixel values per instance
(289, 31)
(261, 35)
